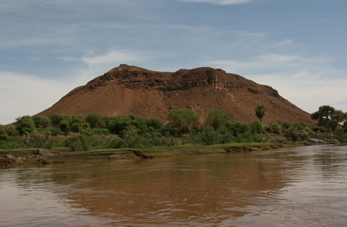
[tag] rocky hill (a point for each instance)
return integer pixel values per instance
(129, 89)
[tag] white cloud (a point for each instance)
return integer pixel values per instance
(306, 82)
(113, 57)
(222, 2)
(68, 59)
(22, 94)
(286, 42)
(307, 91)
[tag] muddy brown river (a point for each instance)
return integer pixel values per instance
(303, 186)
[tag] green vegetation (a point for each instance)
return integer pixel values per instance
(183, 120)
(330, 118)
(260, 112)
(184, 128)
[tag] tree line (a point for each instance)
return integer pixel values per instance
(183, 126)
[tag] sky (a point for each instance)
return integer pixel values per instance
(47, 48)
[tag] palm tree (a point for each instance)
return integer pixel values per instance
(260, 112)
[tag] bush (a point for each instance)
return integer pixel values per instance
(227, 137)
(64, 126)
(41, 121)
(36, 140)
(55, 119)
(116, 143)
(130, 136)
(98, 131)
(95, 120)
(77, 143)
(54, 131)
(249, 137)
(256, 127)
(117, 124)
(239, 128)
(183, 119)
(298, 132)
(341, 134)
(155, 123)
(25, 125)
(7, 131)
(207, 136)
(274, 127)
(13, 143)
(78, 125)
(217, 119)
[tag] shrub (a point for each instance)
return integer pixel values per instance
(78, 125)
(95, 120)
(239, 128)
(298, 132)
(275, 127)
(217, 119)
(118, 124)
(98, 131)
(41, 121)
(155, 123)
(7, 131)
(256, 127)
(227, 137)
(25, 125)
(36, 140)
(183, 118)
(130, 136)
(77, 143)
(116, 143)
(55, 119)
(207, 136)
(64, 126)
(54, 131)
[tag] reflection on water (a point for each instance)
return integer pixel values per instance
(303, 186)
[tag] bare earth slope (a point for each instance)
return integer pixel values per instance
(129, 89)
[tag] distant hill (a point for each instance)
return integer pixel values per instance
(130, 89)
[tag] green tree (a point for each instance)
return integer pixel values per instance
(64, 126)
(275, 127)
(337, 119)
(217, 119)
(130, 136)
(118, 124)
(95, 120)
(77, 143)
(25, 125)
(298, 132)
(208, 136)
(41, 121)
(256, 127)
(238, 128)
(181, 118)
(55, 119)
(7, 131)
(78, 124)
(155, 123)
(329, 117)
(260, 112)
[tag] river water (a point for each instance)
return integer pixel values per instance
(303, 186)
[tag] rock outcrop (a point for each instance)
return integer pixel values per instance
(129, 89)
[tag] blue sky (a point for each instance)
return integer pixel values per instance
(47, 48)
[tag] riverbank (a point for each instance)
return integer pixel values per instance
(17, 157)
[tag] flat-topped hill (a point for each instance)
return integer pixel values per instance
(129, 89)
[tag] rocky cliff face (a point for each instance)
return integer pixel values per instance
(129, 89)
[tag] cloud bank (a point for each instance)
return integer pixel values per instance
(222, 2)
(303, 81)
(28, 94)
